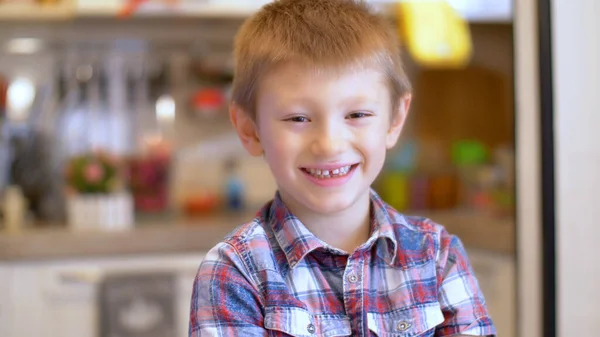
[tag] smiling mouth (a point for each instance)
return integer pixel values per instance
(330, 173)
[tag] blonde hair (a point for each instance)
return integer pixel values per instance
(325, 34)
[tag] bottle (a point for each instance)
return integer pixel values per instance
(14, 209)
(234, 188)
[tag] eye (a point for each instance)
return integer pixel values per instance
(298, 119)
(359, 114)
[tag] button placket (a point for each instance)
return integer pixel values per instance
(353, 294)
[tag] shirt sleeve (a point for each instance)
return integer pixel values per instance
(461, 299)
(224, 300)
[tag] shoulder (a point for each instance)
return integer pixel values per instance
(428, 227)
(418, 228)
(445, 248)
(424, 239)
(409, 226)
(248, 247)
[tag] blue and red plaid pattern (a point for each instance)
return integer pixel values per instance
(273, 277)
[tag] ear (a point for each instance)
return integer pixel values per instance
(246, 130)
(398, 121)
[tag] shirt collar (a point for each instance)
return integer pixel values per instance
(383, 219)
(296, 241)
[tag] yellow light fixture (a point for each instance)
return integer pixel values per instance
(434, 33)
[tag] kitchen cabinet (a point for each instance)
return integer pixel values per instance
(59, 298)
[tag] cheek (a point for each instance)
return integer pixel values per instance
(373, 144)
(375, 134)
(279, 146)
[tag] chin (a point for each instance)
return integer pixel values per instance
(326, 209)
(323, 201)
(330, 205)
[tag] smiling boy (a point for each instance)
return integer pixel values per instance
(321, 94)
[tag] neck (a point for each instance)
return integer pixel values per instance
(345, 230)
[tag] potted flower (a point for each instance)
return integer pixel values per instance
(96, 194)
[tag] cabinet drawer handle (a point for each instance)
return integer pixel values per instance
(79, 277)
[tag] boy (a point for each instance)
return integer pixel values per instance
(320, 92)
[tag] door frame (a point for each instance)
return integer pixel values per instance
(533, 146)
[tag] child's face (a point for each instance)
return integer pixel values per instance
(324, 135)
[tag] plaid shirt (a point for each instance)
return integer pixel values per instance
(273, 277)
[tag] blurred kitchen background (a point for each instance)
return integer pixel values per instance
(119, 168)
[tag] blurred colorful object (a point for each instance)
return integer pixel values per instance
(434, 33)
(131, 6)
(443, 191)
(94, 173)
(469, 153)
(3, 91)
(201, 203)
(404, 159)
(234, 186)
(149, 177)
(393, 187)
(209, 101)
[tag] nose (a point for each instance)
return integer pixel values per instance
(329, 140)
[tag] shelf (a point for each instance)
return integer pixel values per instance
(171, 236)
(481, 11)
(185, 8)
(478, 11)
(22, 11)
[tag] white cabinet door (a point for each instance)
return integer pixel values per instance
(27, 305)
(69, 299)
(59, 298)
(34, 310)
(496, 275)
(6, 302)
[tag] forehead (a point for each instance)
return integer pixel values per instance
(297, 82)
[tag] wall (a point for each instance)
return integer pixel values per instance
(492, 50)
(576, 51)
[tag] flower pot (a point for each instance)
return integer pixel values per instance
(104, 212)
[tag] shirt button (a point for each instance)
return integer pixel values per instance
(311, 329)
(402, 326)
(352, 278)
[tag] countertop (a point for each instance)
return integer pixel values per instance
(150, 237)
(200, 234)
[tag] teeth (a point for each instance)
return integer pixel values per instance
(338, 172)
